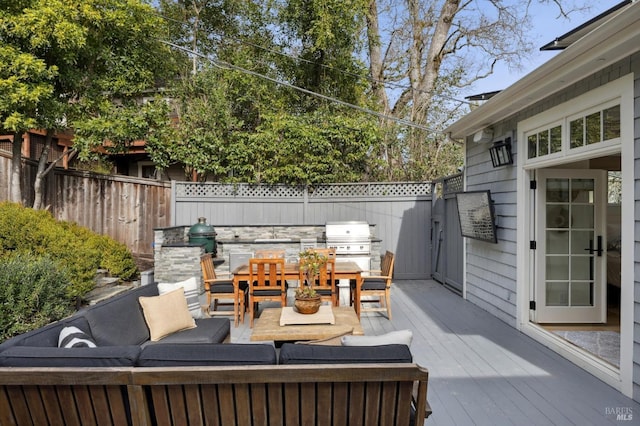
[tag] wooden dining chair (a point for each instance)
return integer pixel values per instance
(266, 283)
(326, 284)
(218, 288)
(376, 286)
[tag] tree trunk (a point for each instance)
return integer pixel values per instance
(42, 171)
(15, 179)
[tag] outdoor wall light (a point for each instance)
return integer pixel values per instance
(501, 153)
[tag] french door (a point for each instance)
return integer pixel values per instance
(571, 254)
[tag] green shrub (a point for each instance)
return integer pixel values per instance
(33, 293)
(75, 249)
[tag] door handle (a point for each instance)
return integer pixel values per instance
(598, 249)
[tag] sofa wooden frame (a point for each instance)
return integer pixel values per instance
(353, 394)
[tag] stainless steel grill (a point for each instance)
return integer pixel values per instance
(349, 238)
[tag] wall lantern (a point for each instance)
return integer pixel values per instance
(501, 153)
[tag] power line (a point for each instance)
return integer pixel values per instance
(297, 58)
(226, 65)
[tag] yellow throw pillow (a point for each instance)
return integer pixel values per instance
(166, 314)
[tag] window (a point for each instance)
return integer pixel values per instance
(545, 142)
(591, 127)
(595, 127)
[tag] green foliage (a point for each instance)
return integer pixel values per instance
(305, 149)
(76, 250)
(33, 293)
(26, 84)
(116, 257)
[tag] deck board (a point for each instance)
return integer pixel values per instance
(482, 371)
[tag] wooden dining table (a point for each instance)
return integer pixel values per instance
(344, 270)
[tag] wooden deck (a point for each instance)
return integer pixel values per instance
(485, 372)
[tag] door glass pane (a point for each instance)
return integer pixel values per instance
(581, 241)
(581, 268)
(611, 121)
(543, 142)
(557, 267)
(582, 190)
(557, 294)
(557, 190)
(558, 216)
(576, 133)
(593, 128)
(558, 242)
(533, 146)
(582, 216)
(556, 139)
(582, 294)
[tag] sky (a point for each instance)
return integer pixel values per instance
(547, 27)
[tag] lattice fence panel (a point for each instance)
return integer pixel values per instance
(212, 190)
(371, 190)
(454, 184)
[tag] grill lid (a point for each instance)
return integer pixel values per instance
(347, 231)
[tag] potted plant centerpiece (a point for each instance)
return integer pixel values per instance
(307, 299)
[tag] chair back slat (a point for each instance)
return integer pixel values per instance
(208, 270)
(266, 274)
(387, 264)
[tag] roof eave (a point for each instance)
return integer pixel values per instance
(618, 37)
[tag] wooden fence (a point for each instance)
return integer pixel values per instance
(125, 208)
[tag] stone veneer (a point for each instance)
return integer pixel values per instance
(175, 259)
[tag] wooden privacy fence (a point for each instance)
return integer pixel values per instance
(400, 211)
(447, 247)
(125, 208)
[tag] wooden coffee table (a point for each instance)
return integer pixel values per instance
(267, 326)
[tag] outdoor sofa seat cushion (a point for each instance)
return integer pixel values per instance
(207, 355)
(291, 353)
(34, 356)
(207, 330)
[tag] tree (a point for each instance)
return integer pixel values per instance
(103, 51)
(425, 51)
(26, 87)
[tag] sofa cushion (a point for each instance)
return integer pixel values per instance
(207, 330)
(119, 320)
(398, 337)
(73, 337)
(169, 355)
(107, 356)
(191, 293)
(166, 314)
(314, 354)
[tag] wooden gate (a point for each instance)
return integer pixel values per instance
(447, 241)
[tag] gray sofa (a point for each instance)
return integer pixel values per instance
(121, 335)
